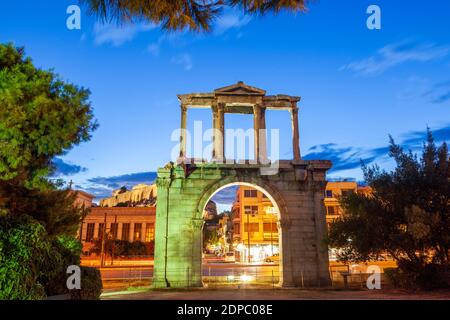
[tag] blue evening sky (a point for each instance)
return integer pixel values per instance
(357, 85)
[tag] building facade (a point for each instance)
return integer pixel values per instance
(122, 223)
(254, 225)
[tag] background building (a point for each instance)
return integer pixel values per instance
(333, 192)
(141, 195)
(122, 223)
(254, 221)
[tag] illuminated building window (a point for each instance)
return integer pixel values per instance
(113, 230)
(126, 231)
(251, 227)
(90, 232)
(250, 193)
(270, 227)
(137, 231)
(328, 193)
(149, 232)
(332, 210)
(251, 210)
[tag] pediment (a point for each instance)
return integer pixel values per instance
(239, 88)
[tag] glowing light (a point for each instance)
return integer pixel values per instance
(246, 278)
(230, 278)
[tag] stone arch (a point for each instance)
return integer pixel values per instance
(297, 190)
(259, 184)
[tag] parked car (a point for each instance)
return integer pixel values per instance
(274, 258)
(229, 257)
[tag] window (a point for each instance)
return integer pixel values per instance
(251, 210)
(114, 227)
(264, 195)
(251, 227)
(328, 194)
(236, 228)
(149, 232)
(90, 232)
(126, 231)
(270, 227)
(101, 227)
(346, 192)
(250, 193)
(137, 231)
(332, 210)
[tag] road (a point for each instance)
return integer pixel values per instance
(213, 270)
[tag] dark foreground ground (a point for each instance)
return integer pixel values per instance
(274, 294)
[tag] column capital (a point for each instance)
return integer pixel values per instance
(183, 107)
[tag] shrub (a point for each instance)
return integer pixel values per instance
(122, 248)
(65, 251)
(91, 285)
(431, 276)
(23, 252)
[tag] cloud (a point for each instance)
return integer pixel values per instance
(127, 180)
(346, 158)
(415, 139)
(154, 48)
(343, 158)
(63, 168)
(102, 187)
(396, 54)
(225, 196)
(230, 20)
(184, 60)
(439, 92)
(117, 35)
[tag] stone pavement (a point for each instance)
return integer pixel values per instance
(274, 294)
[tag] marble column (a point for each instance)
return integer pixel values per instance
(295, 133)
(256, 127)
(263, 136)
(183, 132)
(218, 132)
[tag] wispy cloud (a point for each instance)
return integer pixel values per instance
(439, 92)
(346, 158)
(62, 168)
(185, 60)
(230, 20)
(102, 187)
(396, 54)
(343, 158)
(117, 35)
(225, 196)
(127, 180)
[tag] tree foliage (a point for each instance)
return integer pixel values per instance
(40, 117)
(23, 252)
(407, 215)
(196, 15)
(210, 237)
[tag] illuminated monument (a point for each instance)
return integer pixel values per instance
(296, 189)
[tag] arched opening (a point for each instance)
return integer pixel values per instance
(241, 236)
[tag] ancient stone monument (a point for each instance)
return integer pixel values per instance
(296, 189)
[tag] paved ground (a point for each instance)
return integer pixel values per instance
(274, 294)
(213, 270)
